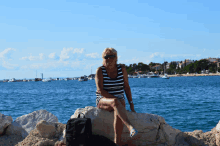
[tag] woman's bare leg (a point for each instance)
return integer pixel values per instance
(118, 126)
(120, 116)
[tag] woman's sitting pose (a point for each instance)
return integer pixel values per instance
(111, 82)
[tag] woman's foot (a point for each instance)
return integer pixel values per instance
(133, 132)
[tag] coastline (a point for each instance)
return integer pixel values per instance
(194, 75)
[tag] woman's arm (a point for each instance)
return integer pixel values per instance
(127, 88)
(99, 84)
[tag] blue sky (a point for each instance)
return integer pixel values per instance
(66, 38)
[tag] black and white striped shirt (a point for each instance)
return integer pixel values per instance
(112, 86)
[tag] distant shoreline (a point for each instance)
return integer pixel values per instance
(194, 75)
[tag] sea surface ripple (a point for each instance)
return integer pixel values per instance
(186, 103)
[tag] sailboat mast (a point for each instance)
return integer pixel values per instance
(164, 68)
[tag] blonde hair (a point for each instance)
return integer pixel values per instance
(111, 50)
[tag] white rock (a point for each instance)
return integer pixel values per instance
(24, 124)
(152, 129)
(218, 127)
(4, 122)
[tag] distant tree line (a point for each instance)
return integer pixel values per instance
(195, 67)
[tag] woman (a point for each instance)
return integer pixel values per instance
(111, 82)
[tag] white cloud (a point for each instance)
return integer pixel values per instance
(54, 65)
(33, 58)
(78, 50)
(6, 53)
(67, 53)
(5, 56)
(8, 65)
(24, 58)
(93, 55)
(157, 54)
(41, 55)
(52, 55)
(40, 65)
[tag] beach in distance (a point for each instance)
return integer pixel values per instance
(186, 104)
(194, 75)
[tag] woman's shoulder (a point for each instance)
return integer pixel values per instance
(99, 69)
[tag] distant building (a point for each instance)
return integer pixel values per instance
(218, 64)
(212, 59)
(180, 65)
(185, 62)
(177, 63)
(156, 67)
(167, 65)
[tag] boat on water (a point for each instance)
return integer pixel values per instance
(152, 75)
(140, 76)
(83, 78)
(67, 79)
(91, 78)
(12, 80)
(144, 76)
(165, 77)
(75, 78)
(130, 76)
(46, 80)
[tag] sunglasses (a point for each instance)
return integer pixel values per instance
(109, 56)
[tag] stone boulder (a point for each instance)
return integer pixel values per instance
(45, 134)
(46, 129)
(50, 129)
(10, 140)
(217, 134)
(198, 137)
(152, 129)
(4, 122)
(24, 124)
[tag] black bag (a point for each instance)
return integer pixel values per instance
(78, 131)
(99, 140)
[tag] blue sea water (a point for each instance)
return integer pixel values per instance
(186, 103)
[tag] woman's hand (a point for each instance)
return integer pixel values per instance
(132, 107)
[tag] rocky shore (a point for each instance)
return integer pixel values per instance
(41, 128)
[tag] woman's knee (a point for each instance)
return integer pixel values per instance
(105, 107)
